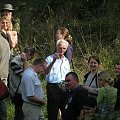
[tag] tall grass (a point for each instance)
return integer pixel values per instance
(91, 36)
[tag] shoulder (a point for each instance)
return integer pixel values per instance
(50, 57)
(70, 47)
(81, 90)
(2, 39)
(65, 59)
(16, 20)
(28, 71)
(86, 75)
(4, 43)
(27, 74)
(16, 59)
(101, 90)
(114, 89)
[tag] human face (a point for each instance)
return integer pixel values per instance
(30, 56)
(117, 70)
(62, 48)
(93, 65)
(4, 25)
(8, 14)
(41, 67)
(58, 35)
(70, 82)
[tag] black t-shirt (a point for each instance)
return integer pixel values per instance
(76, 100)
(117, 85)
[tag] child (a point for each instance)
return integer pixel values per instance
(107, 95)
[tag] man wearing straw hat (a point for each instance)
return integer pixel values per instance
(7, 10)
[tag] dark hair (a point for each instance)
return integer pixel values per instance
(95, 58)
(65, 32)
(38, 61)
(74, 75)
(30, 50)
(117, 63)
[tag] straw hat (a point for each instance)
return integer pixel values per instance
(7, 7)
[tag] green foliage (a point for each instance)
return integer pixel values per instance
(93, 24)
(10, 109)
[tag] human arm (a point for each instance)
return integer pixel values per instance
(37, 100)
(91, 90)
(24, 60)
(48, 68)
(51, 60)
(12, 38)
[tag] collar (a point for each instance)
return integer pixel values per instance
(33, 71)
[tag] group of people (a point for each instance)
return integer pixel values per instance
(8, 41)
(65, 96)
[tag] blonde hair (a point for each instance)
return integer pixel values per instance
(10, 25)
(104, 75)
(59, 42)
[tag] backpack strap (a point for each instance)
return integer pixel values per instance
(86, 76)
(95, 77)
(18, 87)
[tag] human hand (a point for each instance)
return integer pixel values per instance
(86, 87)
(58, 55)
(43, 102)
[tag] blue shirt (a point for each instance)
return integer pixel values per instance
(59, 69)
(31, 85)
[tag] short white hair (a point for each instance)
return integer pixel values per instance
(61, 41)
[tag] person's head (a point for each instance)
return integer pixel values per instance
(63, 33)
(39, 65)
(7, 10)
(5, 23)
(104, 78)
(61, 46)
(30, 52)
(93, 63)
(117, 69)
(71, 80)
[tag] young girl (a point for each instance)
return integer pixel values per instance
(106, 98)
(63, 33)
(7, 10)
(107, 95)
(8, 33)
